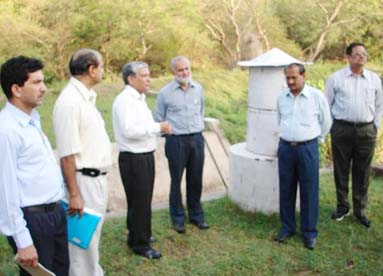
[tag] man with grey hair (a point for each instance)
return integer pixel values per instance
(181, 102)
(136, 136)
(85, 152)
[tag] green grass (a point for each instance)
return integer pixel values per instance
(241, 243)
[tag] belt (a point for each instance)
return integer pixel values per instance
(42, 208)
(91, 172)
(347, 123)
(135, 153)
(188, 134)
(300, 143)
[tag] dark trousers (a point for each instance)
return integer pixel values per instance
(137, 174)
(49, 235)
(185, 151)
(299, 164)
(352, 146)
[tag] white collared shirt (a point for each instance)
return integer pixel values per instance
(303, 117)
(134, 128)
(355, 98)
(29, 174)
(80, 129)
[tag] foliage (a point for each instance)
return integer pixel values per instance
(354, 21)
(241, 243)
(156, 30)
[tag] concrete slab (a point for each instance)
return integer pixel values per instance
(215, 177)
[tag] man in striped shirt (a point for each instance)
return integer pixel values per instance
(356, 103)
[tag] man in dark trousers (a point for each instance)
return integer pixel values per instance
(181, 103)
(136, 136)
(303, 118)
(30, 180)
(356, 103)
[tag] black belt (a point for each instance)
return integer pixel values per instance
(347, 123)
(188, 134)
(135, 153)
(300, 143)
(91, 172)
(42, 208)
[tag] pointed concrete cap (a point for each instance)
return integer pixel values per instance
(273, 58)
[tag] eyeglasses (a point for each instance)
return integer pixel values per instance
(359, 55)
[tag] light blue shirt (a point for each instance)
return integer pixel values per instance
(355, 98)
(29, 174)
(184, 110)
(303, 117)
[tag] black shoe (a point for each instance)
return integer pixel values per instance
(152, 239)
(339, 216)
(282, 237)
(201, 225)
(150, 254)
(180, 228)
(309, 243)
(363, 220)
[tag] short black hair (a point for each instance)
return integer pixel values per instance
(16, 71)
(352, 46)
(81, 60)
(300, 66)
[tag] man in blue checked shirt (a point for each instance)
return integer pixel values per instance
(181, 103)
(304, 118)
(30, 180)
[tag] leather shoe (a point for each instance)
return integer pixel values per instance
(363, 220)
(180, 228)
(282, 237)
(201, 225)
(150, 254)
(309, 243)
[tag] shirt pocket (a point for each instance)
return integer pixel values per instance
(285, 109)
(370, 96)
(308, 114)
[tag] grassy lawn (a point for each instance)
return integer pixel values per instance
(241, 243)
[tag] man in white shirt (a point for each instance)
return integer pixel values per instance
(85, 151)
(356, 103)
(136, 135)
(30, 180)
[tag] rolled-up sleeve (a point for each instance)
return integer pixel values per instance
(159, 112)
(324, 117)
(66, 120)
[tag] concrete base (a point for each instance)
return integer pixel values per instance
(215, 175)
(254, 183)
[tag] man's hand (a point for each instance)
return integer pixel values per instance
(76, 205)
(28, 256)
(166, 128)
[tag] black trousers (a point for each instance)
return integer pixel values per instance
(137, 173)
(352, 146)
(185, 152)
(49, 235)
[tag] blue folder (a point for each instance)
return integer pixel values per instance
(81, 230)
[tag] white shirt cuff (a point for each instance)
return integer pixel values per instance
(23, 239)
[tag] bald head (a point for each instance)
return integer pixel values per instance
(82, 59)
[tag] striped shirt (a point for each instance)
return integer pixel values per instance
(355, 98)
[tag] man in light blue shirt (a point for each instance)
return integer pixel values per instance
(356, 103)
(181, 103)
(303, 118)
(30, 180)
